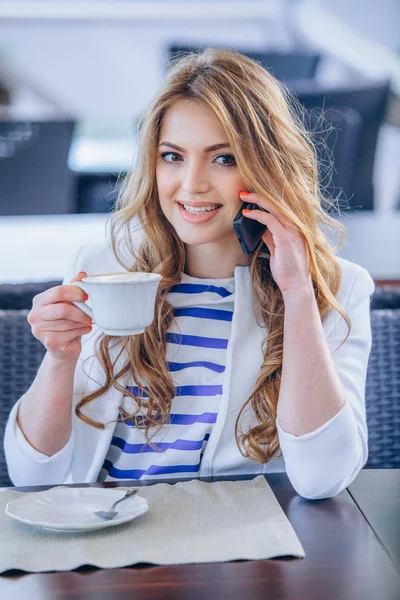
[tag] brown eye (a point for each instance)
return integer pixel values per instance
(170, 154)
(229, 158)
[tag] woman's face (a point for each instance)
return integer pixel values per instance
(190, 172)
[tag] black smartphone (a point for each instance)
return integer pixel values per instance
(248, 231)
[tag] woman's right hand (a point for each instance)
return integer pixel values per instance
(58, 323)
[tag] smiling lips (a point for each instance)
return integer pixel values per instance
(201, 217)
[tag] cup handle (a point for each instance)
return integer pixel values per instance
(82, 305)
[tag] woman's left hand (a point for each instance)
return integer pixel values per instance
(287, 247)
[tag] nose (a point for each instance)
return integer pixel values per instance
(195, 180)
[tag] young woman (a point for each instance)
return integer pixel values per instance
(253, 363)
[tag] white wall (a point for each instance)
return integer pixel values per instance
(378, 19)
(96, 70)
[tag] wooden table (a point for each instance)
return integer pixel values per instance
(345, 559)
(377, 494)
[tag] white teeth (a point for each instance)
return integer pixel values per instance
(200, 210)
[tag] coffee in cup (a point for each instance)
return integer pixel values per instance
(121, 303)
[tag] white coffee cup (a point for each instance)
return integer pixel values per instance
(122, 303)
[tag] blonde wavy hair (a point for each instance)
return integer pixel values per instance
(277, 159)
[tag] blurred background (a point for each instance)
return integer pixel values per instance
(75, 78)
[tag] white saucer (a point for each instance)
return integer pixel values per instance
(71, 509)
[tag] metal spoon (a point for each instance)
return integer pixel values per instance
(110, 514)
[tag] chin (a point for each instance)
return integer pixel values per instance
(195, 239)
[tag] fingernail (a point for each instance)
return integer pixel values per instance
(90, 327)
(86, 297)
(244, 193)
(246, 210)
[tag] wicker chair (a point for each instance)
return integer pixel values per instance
(386, 296)
(21, 355)
(383, 391)
(16, 296)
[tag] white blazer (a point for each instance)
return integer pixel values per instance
(319, 464)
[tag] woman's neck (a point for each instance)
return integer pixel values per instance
(208, 261)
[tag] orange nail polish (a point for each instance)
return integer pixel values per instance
(86, 297)
(246, 210)
(244, 193)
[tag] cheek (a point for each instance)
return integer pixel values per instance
(165, 183)
(229, 191)
(165, 191)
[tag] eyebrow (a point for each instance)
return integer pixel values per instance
(207, 149)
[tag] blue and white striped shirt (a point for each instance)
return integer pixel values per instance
(196, 357)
